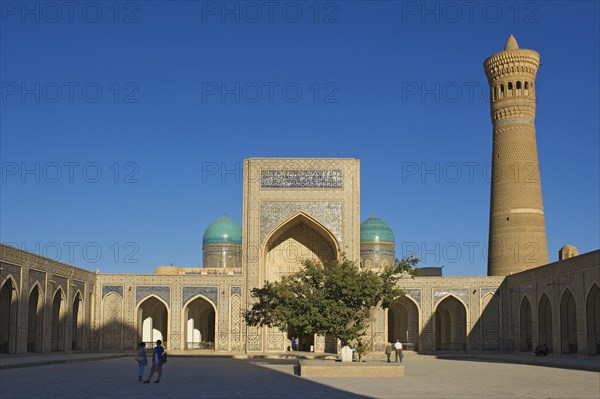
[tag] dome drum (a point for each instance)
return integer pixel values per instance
(222, 255)
(377, 244)
(567, 251)
(376, 255)
(222, 244)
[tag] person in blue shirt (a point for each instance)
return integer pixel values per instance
(156, 362)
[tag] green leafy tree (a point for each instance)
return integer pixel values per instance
(333, 299)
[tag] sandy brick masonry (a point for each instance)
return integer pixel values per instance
(517, 239)
(298, 208)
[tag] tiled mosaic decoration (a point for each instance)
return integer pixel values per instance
(301, 179)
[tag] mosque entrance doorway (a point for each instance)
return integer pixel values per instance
(152, 318)
(57, 339)
(525, 326)
(199, 316)
(403, 323)
(303, 342)
(300, 237)
(8, 317)
(545, 322)
(34, 321)
(451, 325)
(593, 320)
(331, 344)
(568, 323)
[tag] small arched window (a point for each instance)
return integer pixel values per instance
(518, 85)
(526, 85)
(502, 91)
(510, 86)
(495, 93)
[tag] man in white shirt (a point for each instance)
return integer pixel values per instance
(398, 347)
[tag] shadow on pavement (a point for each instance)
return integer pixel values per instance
(182, 378)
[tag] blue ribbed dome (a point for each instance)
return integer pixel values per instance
(375, 229)
(223, 230)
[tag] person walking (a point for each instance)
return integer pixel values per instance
(398, 348)
(142, 360)
(157, 363)
(389, 348)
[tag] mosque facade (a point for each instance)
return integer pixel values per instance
(301, 208)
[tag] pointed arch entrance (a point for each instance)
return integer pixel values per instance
(593, 320)
(451, 325)
(525, 325)
(199, 328)
(298, 238)
(152, 321)
(76, 333)
(34, 320)
(403, 322)
(568, 323)
(545, 322)
(57, 339)
(8, 317)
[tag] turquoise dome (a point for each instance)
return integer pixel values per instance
(223, 230)
(375, 229)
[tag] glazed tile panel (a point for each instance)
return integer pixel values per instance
(273, 213)
(301, 179)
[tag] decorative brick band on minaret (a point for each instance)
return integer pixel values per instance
(517, 239)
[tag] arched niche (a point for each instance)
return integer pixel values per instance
(77, 314)
(451, 324)
(525, 325)
(490, 322)
(58, 326)
(199, 317)
(545, 322)
(298, 238)
(8, 316)
(568, 323)
(592, 309)
(35, 319)
(152, 321)
(403, 322)
(112, 321)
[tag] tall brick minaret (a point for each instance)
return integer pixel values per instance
(517, 239)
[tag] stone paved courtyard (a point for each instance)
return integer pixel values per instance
(218, 377)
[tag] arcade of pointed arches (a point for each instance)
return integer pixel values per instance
(9, 301)
(48, 309)
(199, 322)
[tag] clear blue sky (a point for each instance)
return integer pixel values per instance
(145, 94)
